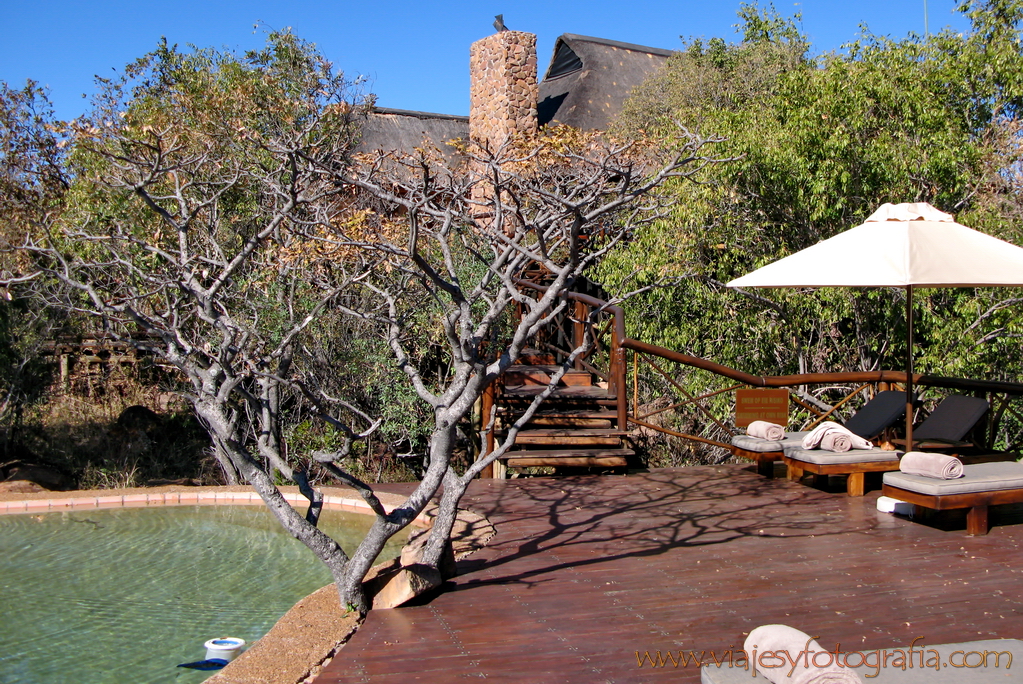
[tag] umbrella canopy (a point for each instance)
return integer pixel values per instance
(900, 245)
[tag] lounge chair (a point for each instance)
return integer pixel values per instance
(970, 662)
(982, 485)
(944, 428)
(950, 421)
(870, 421)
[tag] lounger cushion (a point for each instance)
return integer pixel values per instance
(766, 445)
(822, 457)
(972, 650)
(980, 477)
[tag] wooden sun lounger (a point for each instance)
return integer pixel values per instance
(855, 464)
(982, 485)
(871, 420)
(764, 452)
(954, 417)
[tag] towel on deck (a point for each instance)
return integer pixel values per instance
(765, 430)
(834, 437)
(939, 466)
(793, 660)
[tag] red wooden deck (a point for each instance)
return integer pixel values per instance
(586, 572)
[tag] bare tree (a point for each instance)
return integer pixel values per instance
(220, 222)
(452, 243)
(195, 184)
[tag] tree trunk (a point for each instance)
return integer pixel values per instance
(447, 512)
(325, 548)
(231, 473)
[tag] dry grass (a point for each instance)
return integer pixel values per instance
(84, 432)
(94, 435)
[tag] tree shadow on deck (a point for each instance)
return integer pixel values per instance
(583, 521)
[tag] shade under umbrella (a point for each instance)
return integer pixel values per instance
(899, 245)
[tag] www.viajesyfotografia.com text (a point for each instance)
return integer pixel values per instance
(910, 658)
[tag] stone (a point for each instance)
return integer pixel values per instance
(21, 487)
(412, 553)
(405, 585)
(46, 477)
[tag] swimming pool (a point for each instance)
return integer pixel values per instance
(103, 596)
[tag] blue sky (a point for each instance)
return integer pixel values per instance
(415, 54)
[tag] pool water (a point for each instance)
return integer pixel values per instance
(126, 594)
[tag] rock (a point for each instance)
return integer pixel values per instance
(407, 584)
(42, 475)
(21, 487)
(412, 553)
(391, 584)
(378, 577)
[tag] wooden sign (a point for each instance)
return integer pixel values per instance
(771, 405)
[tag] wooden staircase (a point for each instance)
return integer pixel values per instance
(576, 427)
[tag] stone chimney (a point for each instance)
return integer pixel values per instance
(504, 91)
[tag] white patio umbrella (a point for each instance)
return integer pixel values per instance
(900, 245)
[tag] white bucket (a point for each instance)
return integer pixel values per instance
(224, 648)
(886, 504)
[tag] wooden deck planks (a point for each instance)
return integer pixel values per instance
(584, 572)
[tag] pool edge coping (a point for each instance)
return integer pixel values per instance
(191, 496)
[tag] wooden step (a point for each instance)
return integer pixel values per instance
(568, 421)
(568, 418)
(535, 357)
(522, 374)
(568, 457)
(529, 391)
(561, 437)
(554, 412)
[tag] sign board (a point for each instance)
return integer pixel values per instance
(771, 405)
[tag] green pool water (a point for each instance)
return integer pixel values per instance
(125, 595)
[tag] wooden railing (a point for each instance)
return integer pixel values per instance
(605, 323)
(597, 318)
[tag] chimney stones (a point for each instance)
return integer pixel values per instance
(504, 90)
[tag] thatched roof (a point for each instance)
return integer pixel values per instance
(589, 79)
(402, 130)
(585, 86)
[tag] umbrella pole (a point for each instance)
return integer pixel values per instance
(909, 368)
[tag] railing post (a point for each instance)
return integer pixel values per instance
(581, 315)
(486, 407)
(635, 384)
(618, 371)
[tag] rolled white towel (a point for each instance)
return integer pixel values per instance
(814, 439)
(765, 430)
(793, 658)
(938, 466)
(836, 440)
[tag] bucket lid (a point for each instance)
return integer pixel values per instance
(226, 643)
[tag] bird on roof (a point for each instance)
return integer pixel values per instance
(499, 23)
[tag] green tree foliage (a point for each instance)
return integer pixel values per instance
(817, 144)
(33, 184)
